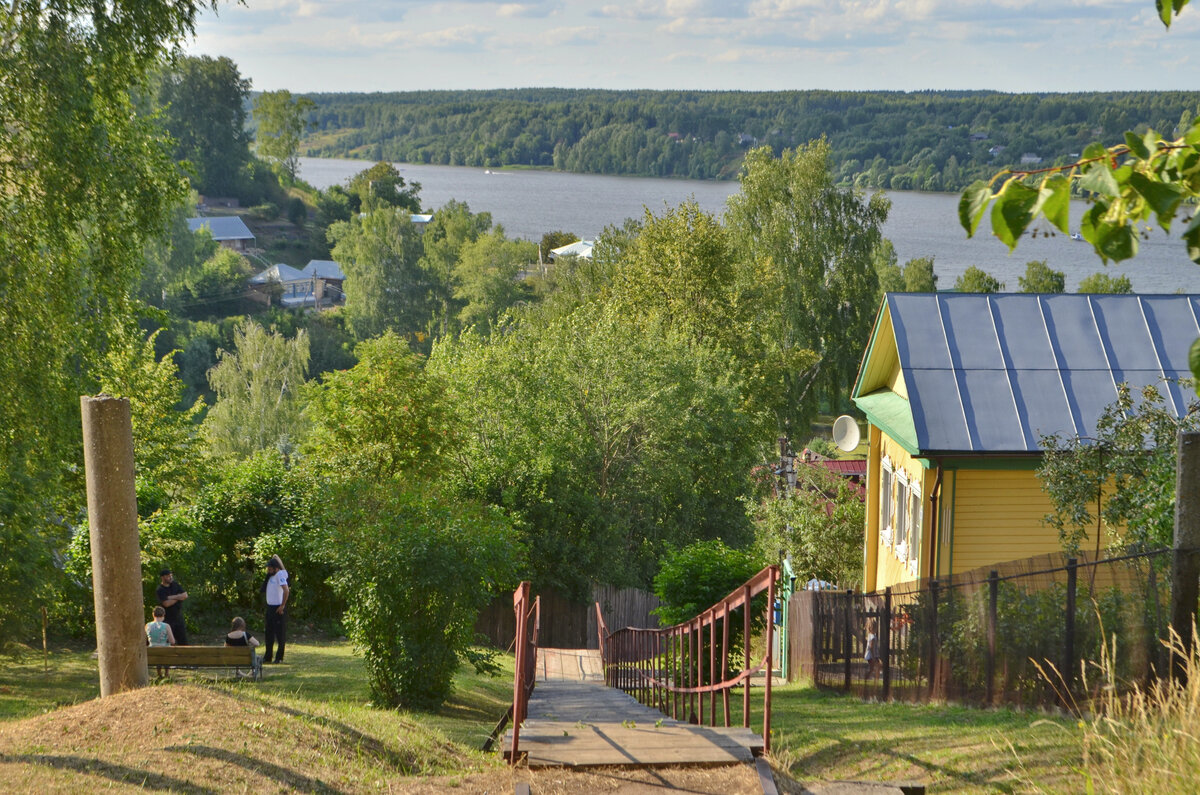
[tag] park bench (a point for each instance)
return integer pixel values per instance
(206, 657)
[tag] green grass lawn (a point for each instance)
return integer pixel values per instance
(821, 735)
(817, 735)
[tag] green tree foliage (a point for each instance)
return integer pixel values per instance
(1040, 278)
(217, 286)
(259, 393)
(414, 570)
(919, 276)
(203, 108)
(887, 268)
(382, 184)
(381, 418)
(281, 123)
(975, 280)
(253, 509)
(1103, 283)
(166, 447)
(820, 523)
(386, 288)
(84, 183)
(452, 227)
(1128, 468)
(609, 439)
(487, 278)
(813, 241)
(698, 575)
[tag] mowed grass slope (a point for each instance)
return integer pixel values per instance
(307, 727)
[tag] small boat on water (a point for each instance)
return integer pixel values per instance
(1077, 236)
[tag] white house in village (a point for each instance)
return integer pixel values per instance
(318, 284)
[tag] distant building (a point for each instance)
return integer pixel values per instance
(1030, 159)
(996, 150)
(580, 248)
(318, 284)
(979, 136)
(421, 220)
(228, 230)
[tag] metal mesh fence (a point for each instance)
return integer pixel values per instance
(1021, 633)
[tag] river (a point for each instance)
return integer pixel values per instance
(528, 203)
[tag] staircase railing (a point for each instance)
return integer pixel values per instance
(675, 668)
(529, 618)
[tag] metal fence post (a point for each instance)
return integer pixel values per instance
(846, 630)
(933, 634)
(746, 660)
(993, 597)
(1068, 672)
(885, 642)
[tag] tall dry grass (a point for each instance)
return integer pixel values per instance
(1145, 738)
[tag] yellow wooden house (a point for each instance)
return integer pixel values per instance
(958, 390)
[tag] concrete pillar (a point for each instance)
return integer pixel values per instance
(116, 560)
(1185, 566)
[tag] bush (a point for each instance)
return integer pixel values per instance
(415, 570)
(264, 212)
(698, 576)
(297, 213)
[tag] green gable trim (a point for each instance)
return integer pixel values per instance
(891, 414)
(862, 366)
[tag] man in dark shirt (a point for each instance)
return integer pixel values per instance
(170, 595)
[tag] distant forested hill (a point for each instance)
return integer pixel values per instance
(929, 140)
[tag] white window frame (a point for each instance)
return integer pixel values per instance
(902, 540)
(886, 479)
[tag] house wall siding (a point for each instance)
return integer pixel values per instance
(998, 517)
(889, 570)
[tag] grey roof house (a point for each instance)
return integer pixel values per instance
(228, 230)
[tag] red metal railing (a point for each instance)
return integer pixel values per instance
(675, 668)
(525, 669)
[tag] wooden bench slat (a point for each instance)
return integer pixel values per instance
(200, 655)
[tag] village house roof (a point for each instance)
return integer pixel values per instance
(280, 272)
(222, 227)
(967, 374)
(323, 269)
(580, 248)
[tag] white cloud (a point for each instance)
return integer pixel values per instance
(583, 34)
(526, 10)
(461, 36)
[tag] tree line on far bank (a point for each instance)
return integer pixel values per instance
(924, 140)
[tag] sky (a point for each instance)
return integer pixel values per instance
(757, 45)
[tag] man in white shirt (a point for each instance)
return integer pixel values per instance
(277, 592)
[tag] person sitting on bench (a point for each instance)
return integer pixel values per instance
(238, 636)
(158, 633)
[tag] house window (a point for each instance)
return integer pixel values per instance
(915, 523)
(885, 502)
(901, 513)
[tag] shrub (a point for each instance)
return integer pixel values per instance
(415, 570)
(700, 575)
(297, 213)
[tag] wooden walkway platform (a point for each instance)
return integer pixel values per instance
(574, 720)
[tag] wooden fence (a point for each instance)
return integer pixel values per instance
(566, 624)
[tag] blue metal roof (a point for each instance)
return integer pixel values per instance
(994, 373)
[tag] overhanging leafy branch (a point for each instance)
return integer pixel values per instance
(1127, 184)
